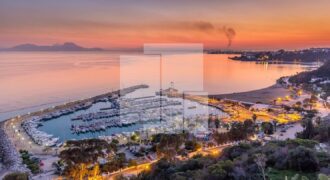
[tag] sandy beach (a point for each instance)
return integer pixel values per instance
(265, 95)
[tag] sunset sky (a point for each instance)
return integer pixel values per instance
(258, 24)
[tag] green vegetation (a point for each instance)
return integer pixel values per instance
(192, 145)
(323, 177)
(238, 131)
(32, 163)
(168, 145)
(16, 176)
(116, 162)
(267, 127)
(274, 174)
(304, 78)
(80, 158)
(319, 131)
(274, 160)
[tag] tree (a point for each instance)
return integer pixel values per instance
(254, 117)
(221, 138)
(217, 123)
(192, 145)
(308, 132)
(221, 170)
(169, 145)
(237, 132)
(115, 162)
(267, 127)
(303, 159)
(260, 160)
(308, 102)
(249, 127)
(209, 121)
(80, 154)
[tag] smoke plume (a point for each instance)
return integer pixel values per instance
(230, 34)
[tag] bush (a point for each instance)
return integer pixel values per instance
(302, 142)
(274, 174)
(31, 163)
(192, 145)
(16, 176)
(303, 159)
(221, 170)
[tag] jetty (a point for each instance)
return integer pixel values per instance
(23, 128)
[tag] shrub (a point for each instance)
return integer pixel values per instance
(303, 159)
(16, 176)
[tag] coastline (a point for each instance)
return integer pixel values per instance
(264, 95)
(13, 136)
(11, 160)
(19, 139)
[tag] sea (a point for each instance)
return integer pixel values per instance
(30, 81)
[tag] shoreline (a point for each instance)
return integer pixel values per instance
(11, 160)
(15, 138)
(21, 140)
(264, 95)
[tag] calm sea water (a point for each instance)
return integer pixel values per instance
(30, 81)
(60, 127)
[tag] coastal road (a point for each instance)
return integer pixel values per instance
(213, 151)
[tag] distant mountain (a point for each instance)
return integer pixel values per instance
(68, 46)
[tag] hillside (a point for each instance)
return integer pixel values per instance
(305, 77)
(317, 81)
(68, 46)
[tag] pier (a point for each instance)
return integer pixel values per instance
(16, 129)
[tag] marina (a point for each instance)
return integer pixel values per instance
(113, 116)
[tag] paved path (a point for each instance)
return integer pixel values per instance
(11, 159)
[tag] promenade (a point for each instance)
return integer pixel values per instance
(10, 158)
